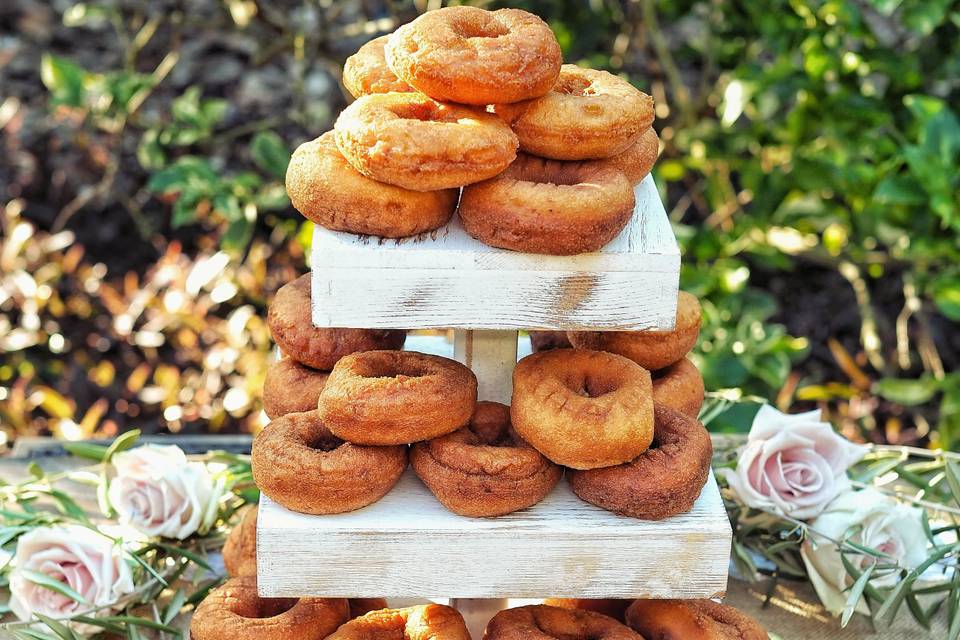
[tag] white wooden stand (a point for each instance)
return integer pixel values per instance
(408, 545)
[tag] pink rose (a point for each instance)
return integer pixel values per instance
(792, 464)
(82, 559)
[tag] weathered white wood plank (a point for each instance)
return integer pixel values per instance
(449, 279)
(409, 545)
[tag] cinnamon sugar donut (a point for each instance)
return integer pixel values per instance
(366, 71)
(663, 481)
(639, 158)
(240, 549)
(290, 387)
(235, 611)
(650, 349)
(472, 56)
(328, 191)
(302, 466)
(397, 397)
(291, 325)
(588, 114)
(543, 206)
(541, 622)
(425, 622)
(411, 141)
(692, 620)
(484, 468)
(583, 409)
(680, 387)
(607, 606)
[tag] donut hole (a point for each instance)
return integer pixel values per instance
(548, 173)
(390, 368)
(467, 28)
(260, 608)
(589, 385)
(323, 441)
(574, 85)
(423, 111)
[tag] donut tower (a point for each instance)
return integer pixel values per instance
(478, 184)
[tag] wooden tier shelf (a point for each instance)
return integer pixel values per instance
(448, 279)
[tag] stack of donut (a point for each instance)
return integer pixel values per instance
(444, 104)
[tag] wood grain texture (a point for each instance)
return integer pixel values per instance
(409, 545)
(448, 279)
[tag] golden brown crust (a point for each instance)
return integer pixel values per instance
(547, 340)
(663, 481)
(692, 620)
(542, 622)
(425, 622)
(608, 607)
(549, 207)
(366, 71)
(301, 465)
(397, 397)
(638, 159)
(588, 114)
(484, 468)
(411, 141)
(363, 606)
(291, 325)
(583, 409)
(650, 349)
(235, 611)
(290, 387)
(328, 191)
(472, 56)
(680, 387)
(240, 549)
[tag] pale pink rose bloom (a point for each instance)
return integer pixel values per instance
(792, 464)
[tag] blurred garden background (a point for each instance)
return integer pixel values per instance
(810, 167)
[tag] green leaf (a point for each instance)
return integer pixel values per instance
(122, 442)
(906, 392)
(270, 153)
(32, 634)
(853, 597)
(952, 472)
(899, 190)
(184, 553)
(34, 469)
(946, 295)
(45, 581)
(64, 79)
(142, 622)
(888, 609)
(150, 152)
(62, 630)
(174, 606)
(86, 450)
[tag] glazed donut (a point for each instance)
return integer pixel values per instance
(663, 481)
(542, 622)
(235, 611)
(639, 158)
(472, 56)
(363, 606)
(291, 325)
(300, 465)
(544, 206)
(588, 114)
(366, 71)
(608, 607)
(240, 549)
(484, 468)
(328, 191)
(583, 409)
(650, 349)
(290, 387)
(546, 340)
(424, 622)
(411, 141)
(397, 397)
(680, 387)
(692, 620)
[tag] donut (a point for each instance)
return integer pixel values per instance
(639, 158)
(608, 607)
(240, 549)
(680, 387)
(588, 114)
(366, 71)
(302, 466)
(472, 56)
(235, 611)
(363, 606)
(424, 622)
(650, 349)
(543, 622)
(409, 140)
(692, 620)
(290, 387)
(583, 409)
(663, 481)
(397, 397)
(328, 191)
(545, 206)
(484, 468)
(291, 325)
(546, 340)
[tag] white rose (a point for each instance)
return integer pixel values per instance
(87, 562)
(158, 492)
(871, 519)
(793, 465)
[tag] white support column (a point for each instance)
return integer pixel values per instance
(477, 612)
(491, 355)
